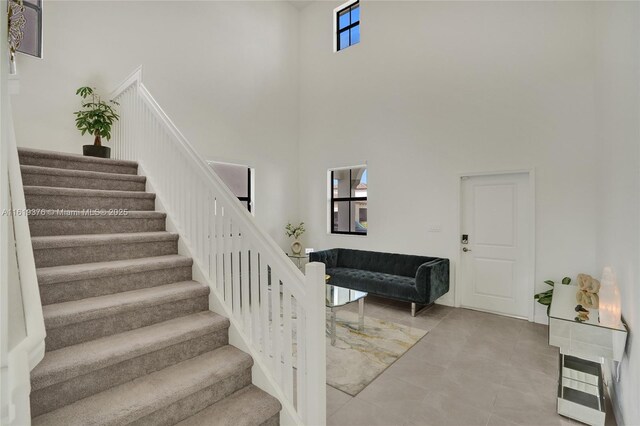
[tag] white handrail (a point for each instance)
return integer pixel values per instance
(27, 353)
(241, 263)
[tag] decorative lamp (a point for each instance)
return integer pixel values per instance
(609, 307)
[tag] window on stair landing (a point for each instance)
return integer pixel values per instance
(348, 200)
(240, 180)
(347, 25)
(31, 43)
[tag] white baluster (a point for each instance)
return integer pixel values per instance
(235, 271)
(136, 127)
(194, 218)
(219, 247)
(244, 282)
(123, 118)
(201, 231)
(287, 343)
(276, 324)
(209, 226)
(301, 360)
(228, 295)
(255, 296)
(190, 207)
(265, 310)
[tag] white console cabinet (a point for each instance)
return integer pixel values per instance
(584, 346)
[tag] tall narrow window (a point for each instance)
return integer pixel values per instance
(239, 179)
(348, 206)
(32, 41)
(348, 25)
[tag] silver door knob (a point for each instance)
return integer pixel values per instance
(464, 249)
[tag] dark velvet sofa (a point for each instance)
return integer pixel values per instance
(416, 279)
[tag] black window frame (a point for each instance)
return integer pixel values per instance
(248, 197)
(350, 199)
(38, 9)
(348, 27)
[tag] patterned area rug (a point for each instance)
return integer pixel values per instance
(360, 356)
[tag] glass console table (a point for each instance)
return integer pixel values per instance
(298, 259)
(584, 345)
(340, 296)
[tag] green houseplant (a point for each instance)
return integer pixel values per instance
(546, 297)
(295, 232)
(96, 118)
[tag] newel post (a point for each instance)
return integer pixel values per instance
(316, 345)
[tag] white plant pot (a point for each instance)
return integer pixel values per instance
(296, 247)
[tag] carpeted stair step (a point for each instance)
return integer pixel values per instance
(164, 397)
(73, 282)
(249, 406)
(74, 249)
(58, 160)
(67, 178)
(51, 198)
(70, 323)
(78, 222)
(130, 338)
(75, 372)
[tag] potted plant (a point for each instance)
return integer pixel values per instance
(295, 232)
(546, 297)
(96, 118)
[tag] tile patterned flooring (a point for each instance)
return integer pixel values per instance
(472, 368)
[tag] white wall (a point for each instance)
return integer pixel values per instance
(226, 72)
(618, 101)
(440, 88)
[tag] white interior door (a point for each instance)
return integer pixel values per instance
(496, 263)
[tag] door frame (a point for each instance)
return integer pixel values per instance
(531, 259)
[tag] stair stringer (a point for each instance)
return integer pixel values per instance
(260, 375)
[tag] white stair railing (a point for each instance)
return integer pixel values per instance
(23, 348)
(277, 312)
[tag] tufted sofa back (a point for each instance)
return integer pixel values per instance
(388, 263)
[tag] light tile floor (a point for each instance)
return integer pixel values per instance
(472, 368)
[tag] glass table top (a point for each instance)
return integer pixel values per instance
(563, 308)
(298, 256)
(340, 296)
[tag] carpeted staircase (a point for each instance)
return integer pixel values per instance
(130, 338)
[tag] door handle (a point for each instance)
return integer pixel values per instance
(464, 249)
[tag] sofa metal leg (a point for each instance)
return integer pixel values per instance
(424, 307)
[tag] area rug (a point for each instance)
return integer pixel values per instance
(360, 356)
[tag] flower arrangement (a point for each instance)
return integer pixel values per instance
(296, 231)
